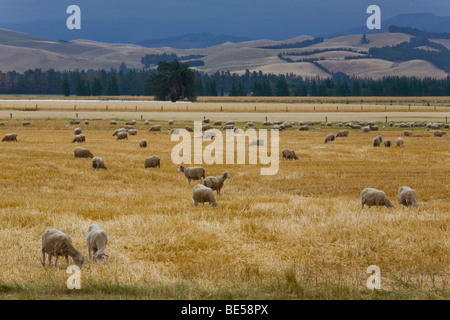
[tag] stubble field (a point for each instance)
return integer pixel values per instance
(300, 234)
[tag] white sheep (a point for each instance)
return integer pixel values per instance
(193, 173)
(373, 197)
(407, 197)
(202, 194)
(98, 163)
(216, 183)
(96, 240)
(56, 243)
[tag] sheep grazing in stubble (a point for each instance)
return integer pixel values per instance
(82, 153)
(218, 123)
(189, 128)
(143, 143)
(439, 133)
(10, 137)
(216, 183)
(98, 163)
(74, 122)
(96, 240)
(206, 120)
(289, 154)
(202, 194)
(303, 128)
(117, 131)
(122, 135)
(399, 142)
(193, 173)
(56, 243)
(112, 122)
(376, 142)
(130, 123)
(407, 197)
(387, 143)
(373, 197)
(257, 142)
(152, 162)
(86, 122)
(366, 129)
(77, 131)
(407, 133)
(156, 127)
(207, 127)
(343, 133)
(79, 138)
(26, 123)
(132, 132)
(330, 138)
(170, 122)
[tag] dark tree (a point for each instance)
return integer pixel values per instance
(65, 88)
(174, 81)
(281, 88)
(113, 87)
(97, 88)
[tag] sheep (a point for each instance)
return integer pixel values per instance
(303, 128)
(366, 129)
(343, 133)
(202, 194)
(228, 127)
(339, 124)
(216, 183)
(257, 142)
(387, 143)
(205, 120)
(26, 123)
(82, 153)
(373, 128)
(2, 123)
(128, 127)
(330, 137)
(74, 122)
(289, 154)
(56, 243)
(132, 132)
(447, 126)
(146, 122)
(112, 122)
(209, 134)
(189, 128)
(250, 124)
(98, 163)
(130, 123)
(192, 173)
(152, 162)
(407, 197)
(218, 123)
(267, 123)
(355, 126)
(399, 142)
(229, 122)
(117, 131)
(433, 126)
(407, 133)
(96, 240)
(86, 122)
(170, 122)
(373, 197)
(391, 124)
(143, 143)
(156, 127)
(10, 137)
(439, 133)
(122, 135)
(77, 131)
(79, 138)
(207, 127)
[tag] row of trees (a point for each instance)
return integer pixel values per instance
(174, 80)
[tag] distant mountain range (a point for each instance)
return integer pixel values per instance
(192, 40)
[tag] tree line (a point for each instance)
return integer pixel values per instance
(143, 82)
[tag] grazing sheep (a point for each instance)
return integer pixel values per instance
(56, 243)
(373, 197)
(74, 122)
(257, 142)
(189, 128)
(117, 131)
(373, 128)
(82, 153)
(366, 129)
(128, 127)
(192, 173)
(439, 133)
(267, 123)
(152, 162)
(122, 135)
(330, 138)
(26, 123)
(391, 124)
(355, 126)
(205, 120)
(207, 127)
(407, 197)
(218, 123)
(250, 124)
(228, 127)
(10, 137)
(229, 122)
(132, 132)
(376, 142)
(216, 183)
(387, 143)
(303, 128)
(399, 142)
(447, 126)
(289, 154)
(202, 194)
(146, 122)
(98, 163)
(77, 131)
(79, 138)
(112, 122)
(433, 126)
(379, 137)
(170, 122)
(143, 143)
(156, 127)
(96, 240)
(407, 133)
(130, 123)
(343, 133)
(2, 123)
(86, 122)
(339, 124)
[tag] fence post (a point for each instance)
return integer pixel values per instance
(266, 119)
(326, 119)
(385, 119)
(141, 117)
(76, 115)
(10, 115)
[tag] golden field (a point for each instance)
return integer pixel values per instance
(300, 234)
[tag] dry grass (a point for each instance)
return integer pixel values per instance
(297, 235)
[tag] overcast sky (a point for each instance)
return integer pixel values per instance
(274, 19)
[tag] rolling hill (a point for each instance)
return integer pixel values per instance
(21, 52)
